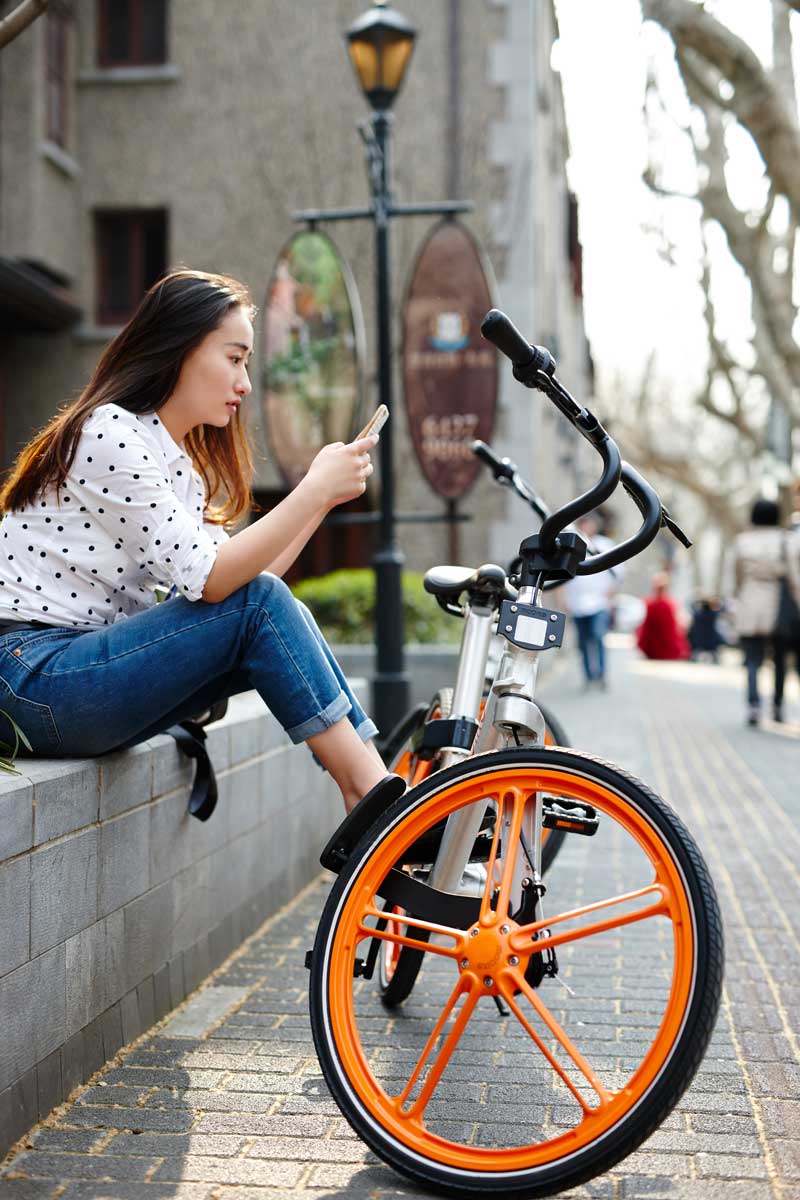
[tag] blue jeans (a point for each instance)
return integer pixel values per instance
(78, 692)
(591, 631)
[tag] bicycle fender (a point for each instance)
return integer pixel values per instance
(357, 822)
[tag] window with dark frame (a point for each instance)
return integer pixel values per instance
(131, 253)
(56, 27)
(131, 33)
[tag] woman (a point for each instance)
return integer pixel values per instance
(763, 555)
(128, 489)
(660, 634)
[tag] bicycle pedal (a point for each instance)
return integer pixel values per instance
(571, 816)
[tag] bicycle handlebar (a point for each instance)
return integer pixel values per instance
(646, 500)
(502, 468)
(535, 367)
(503, 333)
(507, 473)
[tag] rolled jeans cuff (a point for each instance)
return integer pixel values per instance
(367, 729)
(334, 712)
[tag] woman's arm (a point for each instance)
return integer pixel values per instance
(337, 474)
(283, 562)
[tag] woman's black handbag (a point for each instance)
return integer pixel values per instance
(787, 623)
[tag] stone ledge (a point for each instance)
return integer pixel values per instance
(115, 904)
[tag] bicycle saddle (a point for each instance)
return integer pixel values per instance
(447, 583)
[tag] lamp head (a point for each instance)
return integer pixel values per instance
(379, 44)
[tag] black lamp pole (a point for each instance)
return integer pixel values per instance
(390, 687)
(380, 44)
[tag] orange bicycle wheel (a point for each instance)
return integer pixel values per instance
(569, 1081)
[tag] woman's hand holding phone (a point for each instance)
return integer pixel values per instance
(341, 470)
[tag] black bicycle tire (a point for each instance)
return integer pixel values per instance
(399, 986)
(676, 1072)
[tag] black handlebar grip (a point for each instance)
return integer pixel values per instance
(498, 329)
(502, 468)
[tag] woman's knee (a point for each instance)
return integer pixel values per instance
(269, 591)
(308, 616)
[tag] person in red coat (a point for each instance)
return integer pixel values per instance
(660, 634)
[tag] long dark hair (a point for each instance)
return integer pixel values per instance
(138, 371)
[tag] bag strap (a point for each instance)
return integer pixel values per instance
(191, 739)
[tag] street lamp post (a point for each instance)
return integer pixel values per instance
(380, 43)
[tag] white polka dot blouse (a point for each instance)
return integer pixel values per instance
(130, 517)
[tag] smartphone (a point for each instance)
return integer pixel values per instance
(376, 422)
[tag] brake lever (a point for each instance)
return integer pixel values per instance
(666, 520)
(674, 528)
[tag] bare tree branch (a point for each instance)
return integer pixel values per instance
(711, 450)
(19, 19)
(756, 99)
(753, 248)
(782, 67)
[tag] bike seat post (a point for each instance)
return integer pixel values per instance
(462, 828)
(468, 690)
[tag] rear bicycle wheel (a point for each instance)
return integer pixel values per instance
(399, 966)
(566, 1085)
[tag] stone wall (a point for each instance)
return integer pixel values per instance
(115, 904)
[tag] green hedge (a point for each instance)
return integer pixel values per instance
(344, 603)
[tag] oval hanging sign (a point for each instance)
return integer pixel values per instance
(314, 353)
(449, 372)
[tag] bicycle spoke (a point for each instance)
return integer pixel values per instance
(403, 939)
(510, 845)
(519, 981)
(492, 862)
(522, 936)
(445, 1052)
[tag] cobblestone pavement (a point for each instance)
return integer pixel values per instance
(227, 1103)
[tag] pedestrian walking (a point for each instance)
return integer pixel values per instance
(705, 636)
(661, 634)
(588, 599)
(764, 556)
(130, 488)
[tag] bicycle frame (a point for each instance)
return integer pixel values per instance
(511, 717)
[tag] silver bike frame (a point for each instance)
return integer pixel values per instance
(511, 718)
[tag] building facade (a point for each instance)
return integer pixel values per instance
(142, 134)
